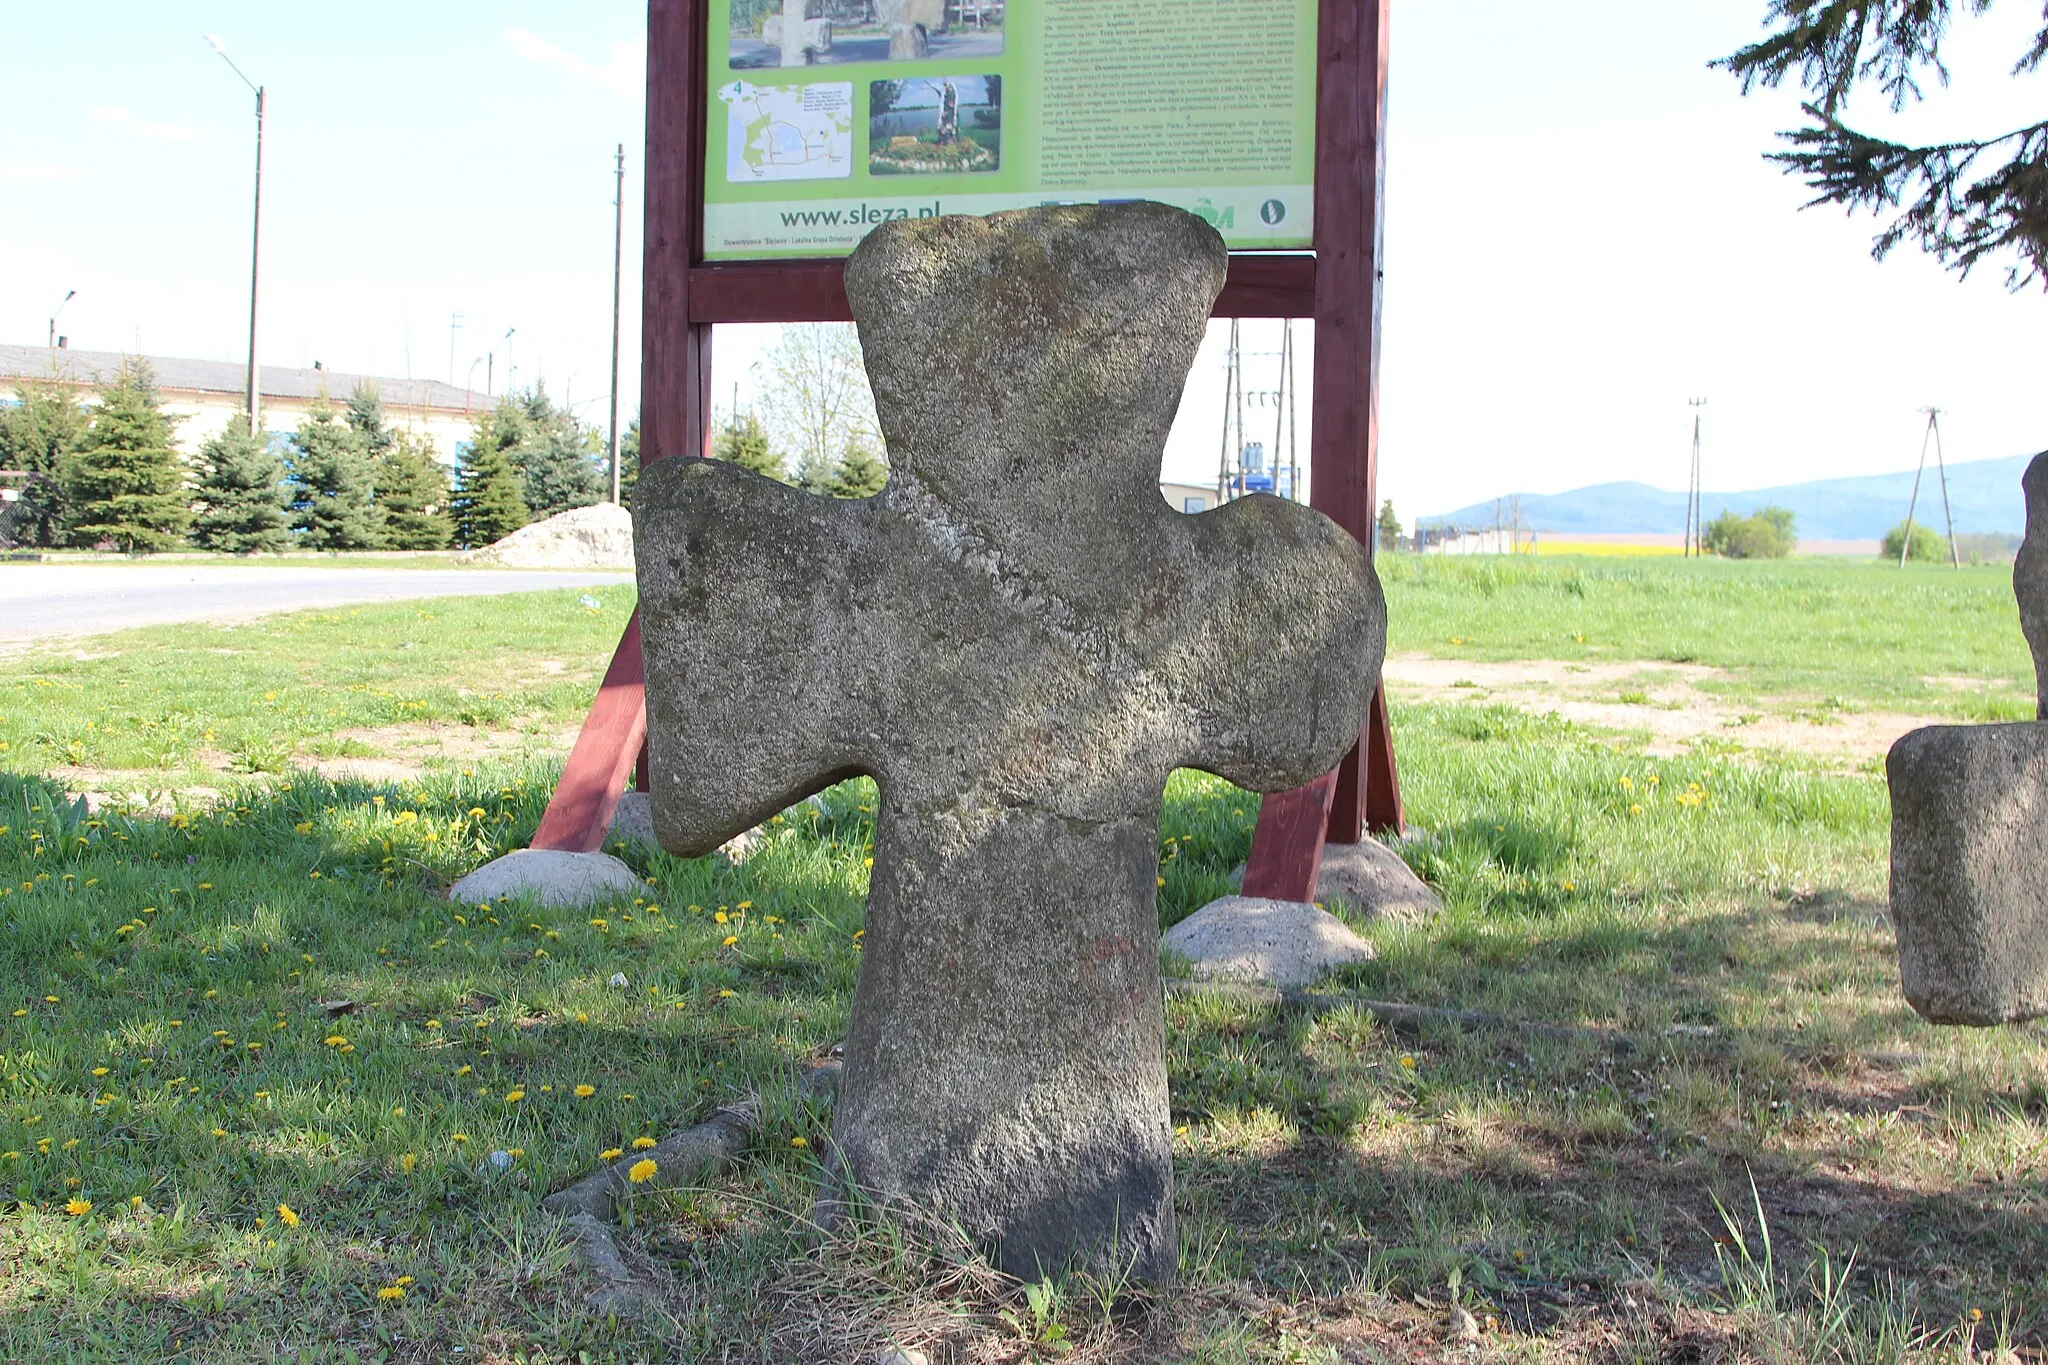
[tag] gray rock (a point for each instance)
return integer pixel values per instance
(1247, 938)
(1970, 871)
(633, 820)
(2030, 575)
(633, 823)
(549, 877)
(1020, 640)
(1373, 882)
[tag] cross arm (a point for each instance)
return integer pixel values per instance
(750, 590)
(1287, 644)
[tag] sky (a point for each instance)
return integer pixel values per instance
(1582, 234)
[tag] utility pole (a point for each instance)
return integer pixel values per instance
(455, 321)
(1693, 511)
(618, 265)
(69, 295)
(1932, 435)
(1232, 381)
(255, 233)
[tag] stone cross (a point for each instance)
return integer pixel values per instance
(1970, 837)
(1019, 640)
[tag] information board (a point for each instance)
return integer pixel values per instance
(828, 117)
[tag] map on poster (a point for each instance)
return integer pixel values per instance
(837, 115)
(788, 132)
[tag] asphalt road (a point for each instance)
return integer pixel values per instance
(54, 601)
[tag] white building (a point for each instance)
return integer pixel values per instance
(208, 394)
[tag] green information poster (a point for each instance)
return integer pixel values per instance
(830, 116)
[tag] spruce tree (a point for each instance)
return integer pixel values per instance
(1964, 200)
(37, 435)
(125, 482)
(413, 496)
(744, 442)
(629, 463)
(860, 472)
(556, 456)
(488, 505)
(365, 416)
(246, 507)
(335, 501)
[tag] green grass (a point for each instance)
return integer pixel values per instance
(193, 704)
(1338, 1185)
(1855, 633)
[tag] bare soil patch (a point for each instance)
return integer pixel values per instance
(401, 753)
(1663, 698)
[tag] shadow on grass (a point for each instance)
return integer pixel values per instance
(1542, 1173)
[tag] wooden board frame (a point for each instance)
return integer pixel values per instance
(683, 296)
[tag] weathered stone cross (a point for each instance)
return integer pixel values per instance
(1019, 640)
(1970, 836)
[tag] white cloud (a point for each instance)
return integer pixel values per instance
(38, 170)
(624, 71)
(124, 121)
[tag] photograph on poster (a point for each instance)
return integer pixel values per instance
(935, 125)
(788, 132)
(786, 33)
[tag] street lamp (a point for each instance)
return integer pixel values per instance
(69, 295)
(255, 232)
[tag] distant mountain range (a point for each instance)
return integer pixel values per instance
(1984, 494)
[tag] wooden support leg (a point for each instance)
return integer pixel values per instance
(1363, 792)
(1383, 813)
(613, 736)
(1287, 844)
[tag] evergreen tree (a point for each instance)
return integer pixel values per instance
(559, 459)
(1963, 200)
(860, 472)
(125, 482)
(742, 441)
(246, 505)
(629, 463)
(488, 505)
(37, 435)
(1390, 526)
(814, 472)
(365, 416)
(334, 483)
(556, 457)
(413, 496)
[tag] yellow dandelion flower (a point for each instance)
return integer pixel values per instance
(798, 1142)
(78, 1208)
(722, 918)
(584, 1092)
(1407, 1062)
(99, 1071)
(286, 1216)
(458, 1138)
(727, 995)
(642, 1172)
(391, 1292)
(402, 1281)
(641, 1144)
(408, 1163)
(514, 1096)
(610, 1154)
(334, 1040)
(220, 1132)
(729, 940)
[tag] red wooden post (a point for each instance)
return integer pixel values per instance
(675, 400)
(579, 815)
(1351, 165)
